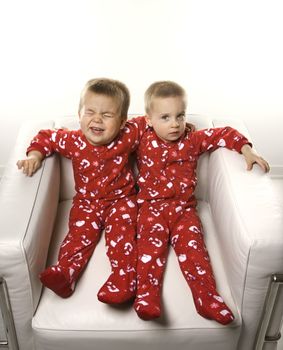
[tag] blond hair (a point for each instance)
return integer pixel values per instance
(165, 88)
(111, 88)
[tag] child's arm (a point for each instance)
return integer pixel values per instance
(214, 138)
(43, 145)
(136, 128)
(32, 163)
(252, 157)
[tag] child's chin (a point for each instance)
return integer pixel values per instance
(173, 138)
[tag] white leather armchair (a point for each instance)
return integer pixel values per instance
(243, 226)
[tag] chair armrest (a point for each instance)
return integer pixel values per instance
(28, 207)
(248, 218)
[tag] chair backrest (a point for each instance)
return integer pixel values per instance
(67, 189)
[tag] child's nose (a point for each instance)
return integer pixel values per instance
(97, 117)
(176, 123)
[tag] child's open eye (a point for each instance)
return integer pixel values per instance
(165, 117)
(181, 116)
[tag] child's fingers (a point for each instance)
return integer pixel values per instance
(31, 168)
(28, 167)
(264, 165)
(261, 162)
(249, 165)
(36, 166)
(20, 164)
(23, 164)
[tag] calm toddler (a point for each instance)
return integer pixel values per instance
(167, 160)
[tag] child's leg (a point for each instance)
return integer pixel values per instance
(187, 240)
(120, 237)
(152, 245)
(75, 251)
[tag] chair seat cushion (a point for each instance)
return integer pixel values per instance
(61, 324)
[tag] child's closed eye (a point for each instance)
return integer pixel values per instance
(108, 115)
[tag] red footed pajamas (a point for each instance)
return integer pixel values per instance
(168, 216)
(105, 199)
(85, 225)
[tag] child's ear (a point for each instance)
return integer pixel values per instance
(123, 122)
(148, 120)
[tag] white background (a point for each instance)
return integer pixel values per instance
(228, 54)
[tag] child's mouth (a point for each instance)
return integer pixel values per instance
(96, 131)
(174, 133)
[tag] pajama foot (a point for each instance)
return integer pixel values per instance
(147, 306)
(118, 290)
(54, 278)
(209, 304)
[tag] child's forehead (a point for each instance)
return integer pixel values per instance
(168, 102)
(91, 98)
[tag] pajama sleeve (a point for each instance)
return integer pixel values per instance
(137, 127)
(214, 138)
(49, 141)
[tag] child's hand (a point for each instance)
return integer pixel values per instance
(252, 157)
(31, 164)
